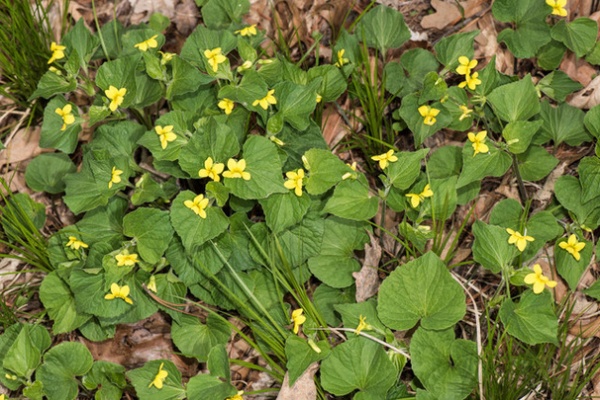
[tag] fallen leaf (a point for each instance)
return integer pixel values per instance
(303, 389)
(544, 196)
(367, 279)
(446, 14)
(577, 68)
(334, 128)
(587, 97)
(186, 16)
(23, 146)
(143, 9)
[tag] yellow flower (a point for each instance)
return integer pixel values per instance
(538, 280)
(75, 243)
(465, 112)
(215, 58)
(58, 52)
(341, 61)
(362, 325)
(66, 115)
(351, 174)
(159, 378)
(114, 176)
(319, 98)
(298, 319)
(198, 205)
(126, 259)
(249, 30)
(558, 7)
(226, 105)
(246, 65)
(465, 66)
(55, 70)
(165, 57)
(147, 44)
(573, 246)
(237, 396)
(236, 170)
(417, 198)
(428, 113)
(2, 397)
(211, 170)
(314, 346)
(471, 81)
(151, 285)
(265, 101)
(478, 142)
(165, 134)
(115, 96)
(385, 158)
(119, 292)
(518, 240)
(12, 377)
(295, 181)
(276, 140)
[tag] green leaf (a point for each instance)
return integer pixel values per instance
(186, 78)
(207, 387)
(404, 172)
(45, 172)
(196, 339)
(477, 167)
(449, 48)
(325, 170)
(589, 177)
(410, 114)
(352, 313)
(58, 300)
(108, 378)
(516, 101)
(434, 88)
(550, 55)
(23, 356)
(52, 84)
(220, 14)
(444, 162)
(578, 35)
(568, 267)
(383, 28)
(592, 121)
(594, 290)
(80, 39)
(202, 39)
(193, 229)
(557, 85)
(300, 355)
(446, 366)
(421, 290)
(52, 135)
(518, 135)
(119, 73)
(491, 248)
(536, 163)
(335, 262)
(347, 369)
(325, 298)
(532, 319)
(296, 102)
(151, 230)
(351, 200)
(333, 83)
(283, 210)
(563, 124)
(264, 166)
(142, 377)
(61, 365)
(569, 194)
(104, 224)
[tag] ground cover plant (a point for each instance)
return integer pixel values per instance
(207, 193)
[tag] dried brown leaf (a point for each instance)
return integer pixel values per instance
(143, 9)
(587, 97)
(303, 389)
(447, 13)
(186, 16)
(367, 279)
(577, 68)
(24, 145)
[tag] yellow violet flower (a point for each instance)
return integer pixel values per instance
(265, 101)
(114, 177)
(119, 292)
(538, 280)
(341, 61)
(2, 397)
(147, 44)
(211, 170)
(319, 98)
(465, 112)
(572, 246)
(385, 158)
(126, 259)
(75, 243)
(66, 115)
(165, 57)
(58, 52)
(55, 70)
(215, 58)
(198, 205)
(298, 319)
(295, 181)
(362, 325)
(417, 198)
(226, 105)
(558, 7)
(115, 96)
(165, 134)
(237, 396)
(246, 65)
(428, 113)
(471, 81)
(236, 170)
(465, 66)
(249, 30)
(151, 285)
(478, 142)
(350, 174)
(159, 378)
(518, 240)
